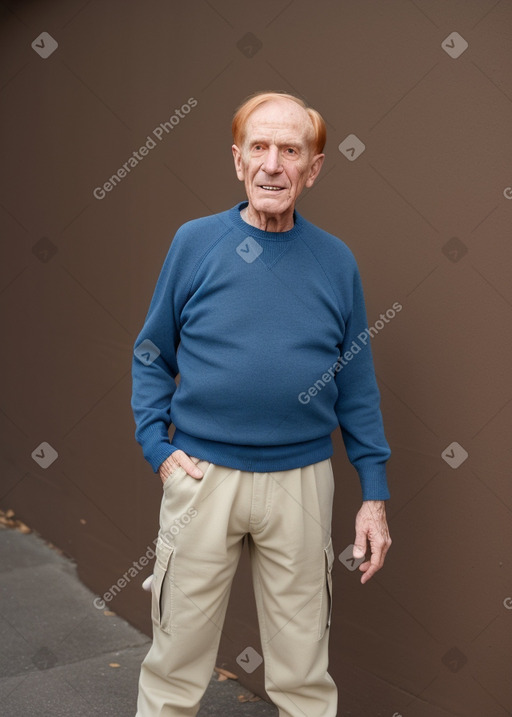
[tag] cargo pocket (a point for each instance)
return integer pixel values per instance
(161, 587)
(326, 612)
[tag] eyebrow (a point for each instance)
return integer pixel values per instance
(285, 143)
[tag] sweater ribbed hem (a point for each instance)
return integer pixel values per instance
(258, 459)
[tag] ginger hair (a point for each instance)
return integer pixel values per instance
(255, 100)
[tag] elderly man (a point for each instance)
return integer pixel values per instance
(259, 313)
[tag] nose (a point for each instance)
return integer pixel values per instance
(271, 163)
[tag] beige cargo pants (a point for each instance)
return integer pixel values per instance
(286, 516)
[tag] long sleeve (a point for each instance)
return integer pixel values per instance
(212, 360)
(154, 363)
(358, 403)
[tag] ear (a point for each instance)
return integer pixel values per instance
(316, 166)
(237, 156)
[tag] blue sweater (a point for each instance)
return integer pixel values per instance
(267, 331)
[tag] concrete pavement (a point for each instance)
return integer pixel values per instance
(57, 650)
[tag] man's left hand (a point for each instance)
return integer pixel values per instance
(372, 528)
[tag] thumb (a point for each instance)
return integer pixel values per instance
(359, 549)
(189, 465)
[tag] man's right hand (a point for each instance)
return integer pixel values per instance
(179, 458)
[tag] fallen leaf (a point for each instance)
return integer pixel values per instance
(248, 697)
(225, 674)
(8, 518)
(114, 664)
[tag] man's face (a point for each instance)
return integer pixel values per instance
(277, 160)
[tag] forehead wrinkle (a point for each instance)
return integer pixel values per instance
(287, 119)
(273, 137)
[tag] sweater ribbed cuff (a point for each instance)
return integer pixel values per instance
(374, 484)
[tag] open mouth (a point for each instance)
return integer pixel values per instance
(270, 188)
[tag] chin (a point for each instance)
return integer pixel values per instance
(271, 205)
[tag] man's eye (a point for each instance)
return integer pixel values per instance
(290, 150)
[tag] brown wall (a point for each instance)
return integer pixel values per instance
(425, 209)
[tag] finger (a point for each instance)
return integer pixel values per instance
(379, 549)
(168, 466)
(176, 460)
(359, 549)
(374, 564)
(190, 467)
(372, 569)
(368, 569)
(164, 471)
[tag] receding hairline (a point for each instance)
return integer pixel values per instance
(316, 138)
(310, 129)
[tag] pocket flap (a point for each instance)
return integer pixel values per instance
(329, 554)
(163, 553)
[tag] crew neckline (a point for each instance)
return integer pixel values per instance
(249, 229)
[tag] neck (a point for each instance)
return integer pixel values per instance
(266, 222)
